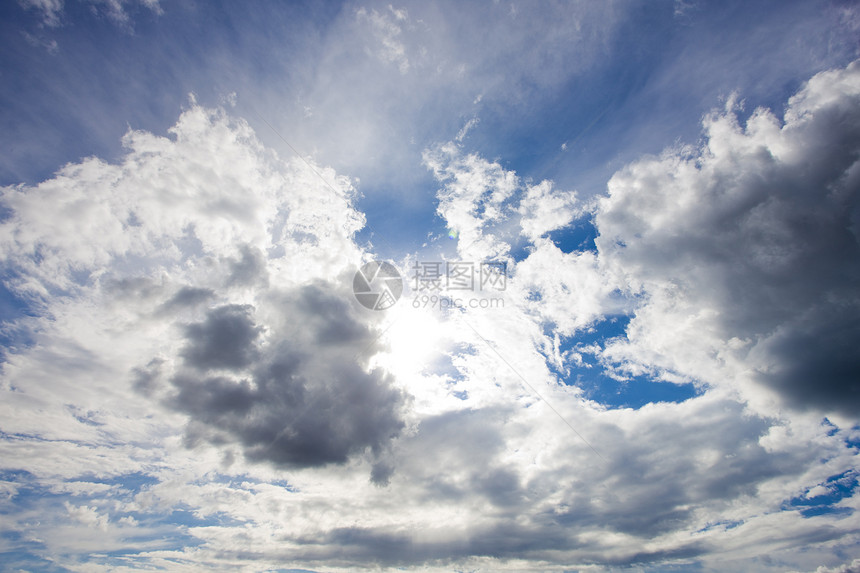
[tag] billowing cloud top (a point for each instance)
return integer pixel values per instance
(748, 249)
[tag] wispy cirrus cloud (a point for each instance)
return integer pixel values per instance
(52, 10)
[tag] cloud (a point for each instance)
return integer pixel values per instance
(191, 300)
(464, 131)
(187, 297)
(387, 27)
(225, 340)
(474, 200)
(167, 205)
(546, 209)
(116, 9)
(493, 211)
(182, 252)
(736, 262)
(567, 290)
(748, 246)
(852, 567)
(292, 398)
(389, 77)
(230, 281)
(52, 10)
(202, 387)
(488, 206)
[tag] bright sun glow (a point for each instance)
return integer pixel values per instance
(415, 338)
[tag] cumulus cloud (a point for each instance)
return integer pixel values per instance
(168, 204)
(475, 199)
(492, 211)
(179, 253)
(545, 209)
(295, 395)
(224, 340)
(490, 207)
(190, 301)
(737, 263)
(748, 247)
(196, 346)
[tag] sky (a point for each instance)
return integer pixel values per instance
(616, 330)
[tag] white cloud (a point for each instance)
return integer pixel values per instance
(567, 290)
(852, 567)
(489, 207)
(50, 46)
(461, 135)
(474, 199)
(88, 516)
(195, 334)
(546, 209)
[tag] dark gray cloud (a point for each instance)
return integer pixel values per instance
(508, 539)
(225, 339)
(146, 379)
(248, 268)
(817, 363)
(294, 393)
(186, 297)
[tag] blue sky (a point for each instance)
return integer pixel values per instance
(667, 380)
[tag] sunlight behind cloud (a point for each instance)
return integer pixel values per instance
(428, 286)
(416, 340)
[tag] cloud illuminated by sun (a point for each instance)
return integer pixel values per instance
(416, 340)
